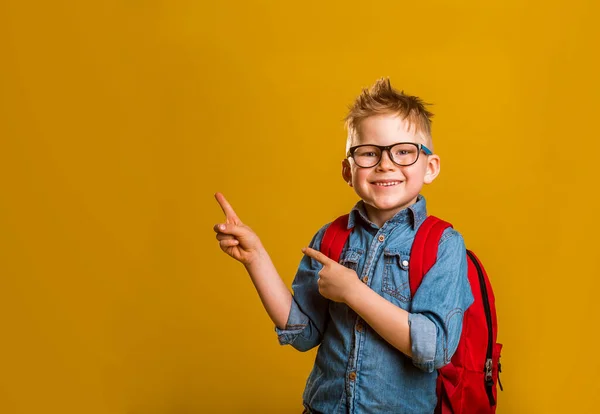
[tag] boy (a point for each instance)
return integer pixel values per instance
(379, 347)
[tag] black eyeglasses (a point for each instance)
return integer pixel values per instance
(401, 153)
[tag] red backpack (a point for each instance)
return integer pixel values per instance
(468, 383)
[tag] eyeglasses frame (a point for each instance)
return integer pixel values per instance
(388, 148)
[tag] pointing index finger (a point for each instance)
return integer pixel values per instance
(227, 209)
(317, 255)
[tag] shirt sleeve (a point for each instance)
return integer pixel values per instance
(439, 304)
(309, 310)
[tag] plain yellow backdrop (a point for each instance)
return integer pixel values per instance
(120, 119)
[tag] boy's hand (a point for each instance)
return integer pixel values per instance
(235, 238)
(335, 281)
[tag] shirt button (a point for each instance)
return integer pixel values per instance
(352, 376)
(405, 263)
(381, 238)
(365, 279)
(359, 327)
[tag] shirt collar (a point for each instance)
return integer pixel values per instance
(414, 214)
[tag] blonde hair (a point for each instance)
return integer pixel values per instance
(381, 98)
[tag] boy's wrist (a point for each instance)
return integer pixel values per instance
(258, 256)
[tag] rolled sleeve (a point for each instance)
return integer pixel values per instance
(439, 304)
(296, 324)
(423, 334)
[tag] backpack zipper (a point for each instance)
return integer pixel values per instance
(489, 380)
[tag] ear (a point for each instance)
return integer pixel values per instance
(433, 168)
(347, 172)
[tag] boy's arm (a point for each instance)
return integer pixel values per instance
(387, 319)
(341, 284)
(430, 334)
(241, 243)
(273, 293)
(438, 306)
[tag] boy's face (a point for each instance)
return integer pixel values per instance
(387, 187)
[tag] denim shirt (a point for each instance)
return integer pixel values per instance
(356, 370)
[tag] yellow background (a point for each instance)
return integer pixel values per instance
(120, 119)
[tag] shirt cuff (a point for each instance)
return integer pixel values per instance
(423, 335)
(295, 325)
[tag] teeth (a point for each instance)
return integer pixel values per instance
(387, 184)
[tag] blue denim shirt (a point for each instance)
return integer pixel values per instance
(356, 370)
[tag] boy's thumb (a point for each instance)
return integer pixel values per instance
(228, 228)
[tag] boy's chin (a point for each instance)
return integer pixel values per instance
(391, 205)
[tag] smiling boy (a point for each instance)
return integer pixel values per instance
(379, 346)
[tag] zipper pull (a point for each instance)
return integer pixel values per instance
(489, 381)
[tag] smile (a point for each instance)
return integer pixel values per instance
(386, 183)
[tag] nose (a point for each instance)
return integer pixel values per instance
(386, 162)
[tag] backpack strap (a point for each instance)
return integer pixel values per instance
(423, 253)
(335, 238)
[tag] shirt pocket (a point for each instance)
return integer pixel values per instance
(395, 275)
(351, 258)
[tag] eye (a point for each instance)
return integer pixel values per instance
(404, 150)
(367, 152)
